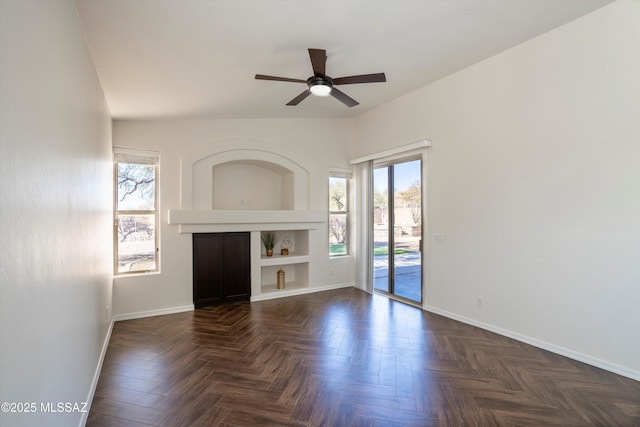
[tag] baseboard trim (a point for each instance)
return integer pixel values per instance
(562, 351)
(96, 376)
(299, 291)
(152, 313)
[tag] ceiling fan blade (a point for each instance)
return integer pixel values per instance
(299, 98)
(363, 78)
(278, 79)
(343, 97)
(318, 61)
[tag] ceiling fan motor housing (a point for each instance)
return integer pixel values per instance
(320, 81)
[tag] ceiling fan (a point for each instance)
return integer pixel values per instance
(321, 84)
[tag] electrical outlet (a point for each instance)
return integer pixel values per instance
(107, 313)
(479, 302)
(438, 237)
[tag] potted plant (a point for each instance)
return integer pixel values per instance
(269, 241)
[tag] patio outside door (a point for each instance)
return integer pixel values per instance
(397, 229)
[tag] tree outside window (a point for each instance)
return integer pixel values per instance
(136, 215)
(338, 216)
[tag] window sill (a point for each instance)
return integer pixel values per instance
(141, 274)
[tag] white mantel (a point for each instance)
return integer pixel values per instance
(211, 221)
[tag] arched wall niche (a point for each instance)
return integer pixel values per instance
(244, 175)
(252, 185)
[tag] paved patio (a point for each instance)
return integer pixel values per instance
(407, 278)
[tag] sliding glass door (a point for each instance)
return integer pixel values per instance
(397, 229)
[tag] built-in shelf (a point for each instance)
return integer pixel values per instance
(264, 269)
(296, 276)
(292, 288)
(292, 258)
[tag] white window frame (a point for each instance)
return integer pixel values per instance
(144, 157)
(347, 175)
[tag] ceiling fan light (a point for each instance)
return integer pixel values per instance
(320, 89)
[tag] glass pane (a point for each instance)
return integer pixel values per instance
(337, 234)
(136, 187)
(136, 243)
(407, 230)
(337, 194)
(381, 229)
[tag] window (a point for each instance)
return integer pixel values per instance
(136, 211)
(338, 214)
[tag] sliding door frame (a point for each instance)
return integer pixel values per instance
(390, 164)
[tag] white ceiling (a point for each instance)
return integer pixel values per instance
(198, 58)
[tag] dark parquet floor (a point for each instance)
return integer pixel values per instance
(343, 358)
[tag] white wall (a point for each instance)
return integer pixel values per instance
(55, 214)
(534, 178)
(247, 186)
(318, 143)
